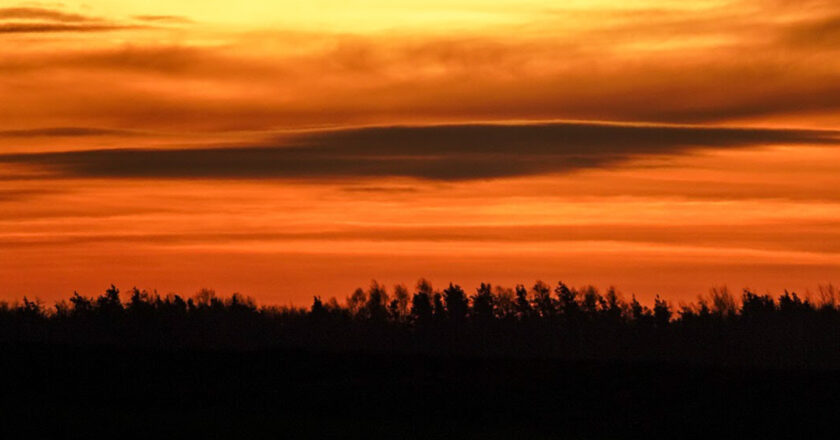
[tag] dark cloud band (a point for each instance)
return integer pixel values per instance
(41, 14)
(61, 132)
(34, 28)
(40, 20)
(444, 152)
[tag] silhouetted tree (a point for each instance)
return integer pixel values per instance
(317, 311)
(790, 303)
(523, 303)
(110, 301)
(81, 304)
(828, 297)
(356, 302)
(590, 300)
(421, 303)
(567, 300)
(723, 303)
(613, 307)
(421, 308)
(790, 331)
(504, 305)
(206, 298)
(440, 313)
(456, 303)
(543, 303)
(377, 298)
(31, 310)
(661, 312)
(483, 303)
(637, 311)
(756, 305)
(398, 307)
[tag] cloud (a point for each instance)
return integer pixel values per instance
(671, 65)
(380, 189)
(442, 152)
(356, 80)
(42, 14)
(60, 132)
(26, 20)
(172, 61)
(30, 28)
(799, 236)
(163, 18)
(14, 195)
(819, 33)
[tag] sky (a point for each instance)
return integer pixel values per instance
(289, 149)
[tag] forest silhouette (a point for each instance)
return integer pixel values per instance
(538, 321)
(544, 361)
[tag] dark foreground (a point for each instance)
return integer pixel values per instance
(62, 391)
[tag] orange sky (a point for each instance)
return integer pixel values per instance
(288, 149)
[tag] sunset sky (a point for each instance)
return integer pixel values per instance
(288, 149)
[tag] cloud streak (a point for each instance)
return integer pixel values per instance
(442, 152)
(34, 28)
(60, 132)
(25, 20)
(715, 65)
(813, 237)
(42, 14)
(436, 79)
(163, 19)
(821, 33)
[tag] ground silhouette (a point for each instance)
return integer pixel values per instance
(543, 361)
(541, 321)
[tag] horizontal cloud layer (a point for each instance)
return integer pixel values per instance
(25, 13)
(20, 28)
(30, 20)
(441, 152)
(677, 63)
(163, 18)
(809, 236)
(60, 132)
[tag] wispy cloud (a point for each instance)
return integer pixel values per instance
(31, 28)
(678, 69)
(23, 194)
(30, 20)
(163, 19)
(804, 236)
(43, 14)
(61, 132)
(820, 34)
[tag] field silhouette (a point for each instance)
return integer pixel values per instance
(544, 361)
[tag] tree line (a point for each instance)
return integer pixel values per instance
(542, 320)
